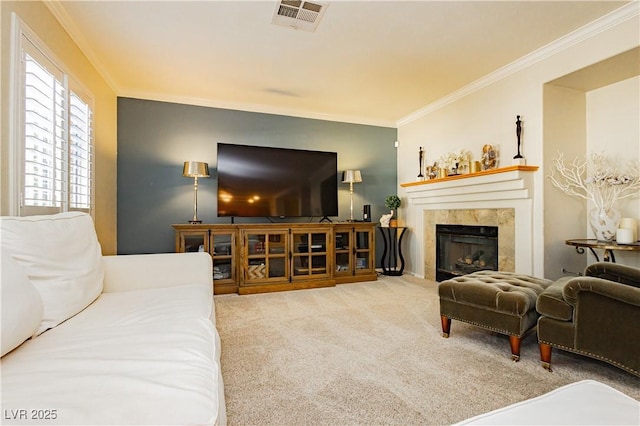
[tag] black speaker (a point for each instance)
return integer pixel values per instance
(366, 213)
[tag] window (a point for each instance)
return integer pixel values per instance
(52, 155)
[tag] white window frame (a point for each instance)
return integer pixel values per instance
(20, 32)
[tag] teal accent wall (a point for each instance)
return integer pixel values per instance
(156, 138)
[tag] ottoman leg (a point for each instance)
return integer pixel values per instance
(446, 325)
(514, 341)
(545, 355)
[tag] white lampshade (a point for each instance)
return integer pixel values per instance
(195, 169)
(351, 176)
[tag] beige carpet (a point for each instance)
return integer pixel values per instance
(372, 354)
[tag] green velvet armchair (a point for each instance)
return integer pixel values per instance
(597, 315)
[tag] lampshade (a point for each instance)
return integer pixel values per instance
(351, 176)
(195, 169)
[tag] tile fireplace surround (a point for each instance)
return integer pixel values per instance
(499, 197)
(504, 219)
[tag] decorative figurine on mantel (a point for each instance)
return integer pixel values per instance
(432, 171)
(489, 157)
(420, 161)
(518, 159)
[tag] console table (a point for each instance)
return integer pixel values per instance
(608, 246)
(392, 238)
(257, 258)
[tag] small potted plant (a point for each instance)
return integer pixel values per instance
(392, 202)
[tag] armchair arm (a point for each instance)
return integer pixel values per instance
(613, 290)
(144, 271)
(614, 272)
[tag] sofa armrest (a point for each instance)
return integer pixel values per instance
(606, 288)
(144, 271)
(614, 272)
(551, 303)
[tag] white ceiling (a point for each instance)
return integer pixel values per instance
(373, 62)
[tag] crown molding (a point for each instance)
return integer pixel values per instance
(612, 19)
(258, 108)
(601, 24)
(59, 12)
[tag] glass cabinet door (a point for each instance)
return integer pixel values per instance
(310, 255)
(266, 256)
(194, 241)
(222, 246)
(363, 255)
(343, 250)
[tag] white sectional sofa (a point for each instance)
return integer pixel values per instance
(92, 339)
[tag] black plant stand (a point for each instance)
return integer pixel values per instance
(392, 250)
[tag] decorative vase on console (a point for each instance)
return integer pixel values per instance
(393, 222)
(604, 223)
(597, 180)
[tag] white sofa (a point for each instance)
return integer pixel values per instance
(92, 339)
(586, 402)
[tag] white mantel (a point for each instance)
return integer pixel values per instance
(504, 188)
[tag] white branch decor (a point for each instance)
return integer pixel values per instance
(596, 178)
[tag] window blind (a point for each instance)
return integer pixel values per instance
(56, 141)
(80, 153)
(44, 136)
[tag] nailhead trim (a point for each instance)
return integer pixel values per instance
(602, 358)
(487, 327)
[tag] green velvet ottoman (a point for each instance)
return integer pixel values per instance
(504, 302)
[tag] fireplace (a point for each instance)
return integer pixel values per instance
(503, 219)
(500, 197)
(463, 249)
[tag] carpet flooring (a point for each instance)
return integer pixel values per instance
(372, 354)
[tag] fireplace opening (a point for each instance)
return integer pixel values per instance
(463, 249)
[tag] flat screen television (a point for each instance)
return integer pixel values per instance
(258, 181)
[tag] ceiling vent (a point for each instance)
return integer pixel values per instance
(298, 14)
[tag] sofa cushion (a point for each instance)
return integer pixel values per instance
(21, 305)
(62, 258)
(143, 357)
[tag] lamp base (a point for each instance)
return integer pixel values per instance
(192, 221)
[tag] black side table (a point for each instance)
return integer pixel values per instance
(392, 250)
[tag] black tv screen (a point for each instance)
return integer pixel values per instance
(257, 181)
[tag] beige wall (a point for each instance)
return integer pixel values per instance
(613, 127)
(486, 114)
(37, 16)
(595, 109)
(564, 217)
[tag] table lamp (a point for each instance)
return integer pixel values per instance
(195, 169)
(351, 177)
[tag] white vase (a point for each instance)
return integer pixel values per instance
(604, 223)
